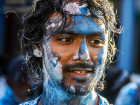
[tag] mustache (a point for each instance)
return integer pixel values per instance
(67, 67)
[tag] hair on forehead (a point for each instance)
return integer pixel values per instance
(31, 30)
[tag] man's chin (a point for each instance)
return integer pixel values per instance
(76, 91)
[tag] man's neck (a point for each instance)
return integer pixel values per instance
(55, 95)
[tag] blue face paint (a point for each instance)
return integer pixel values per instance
(85, 25)
(54, 95)
(102, 38)
(100, 56)
(83, 48)
(83, 51)
(53, 63)
(83, 10)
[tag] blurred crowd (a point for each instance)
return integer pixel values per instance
(14, 87)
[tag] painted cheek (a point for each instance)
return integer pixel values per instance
(54, 61)
(93, 53)
(100, 54)
(64, 55)
(51, 68)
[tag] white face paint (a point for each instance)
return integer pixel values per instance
(50, 66)
(74, 8)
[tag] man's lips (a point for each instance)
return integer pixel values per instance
(80, 73)
(80, 69)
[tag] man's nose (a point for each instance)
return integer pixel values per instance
(83, 53)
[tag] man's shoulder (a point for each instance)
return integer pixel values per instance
(102, 101)
(33, 102)
(29, 103)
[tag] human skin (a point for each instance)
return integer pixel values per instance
(83, 42)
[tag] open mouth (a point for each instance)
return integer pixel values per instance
(81, 72)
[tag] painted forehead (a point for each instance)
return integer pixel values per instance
(85, 25)
(81, 17)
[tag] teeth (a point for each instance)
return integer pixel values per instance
(80, 72)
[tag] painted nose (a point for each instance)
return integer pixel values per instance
(83, 53)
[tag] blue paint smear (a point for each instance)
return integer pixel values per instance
(54, 93)
(102, 38)
(84, 50)
(83, 10)
(100, 56)
(54, 64)
(85, 25)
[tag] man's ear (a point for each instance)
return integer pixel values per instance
(37, 51)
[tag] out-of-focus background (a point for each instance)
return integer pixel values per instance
(122, 76)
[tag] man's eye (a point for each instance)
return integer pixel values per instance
(66, 39)
(97, 42)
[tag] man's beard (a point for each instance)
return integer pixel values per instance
(81, 89)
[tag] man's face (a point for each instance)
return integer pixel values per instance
(75, 58)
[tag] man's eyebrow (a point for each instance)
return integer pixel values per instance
(97, 34)
(75, 33)
(68, 32)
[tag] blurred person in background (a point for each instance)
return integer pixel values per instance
(3, 75)
(16, 91)
(116, 78)
(3, 85)
(129, 94)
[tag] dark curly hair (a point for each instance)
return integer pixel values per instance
(32, 28)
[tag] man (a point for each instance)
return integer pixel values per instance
(67, 44)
